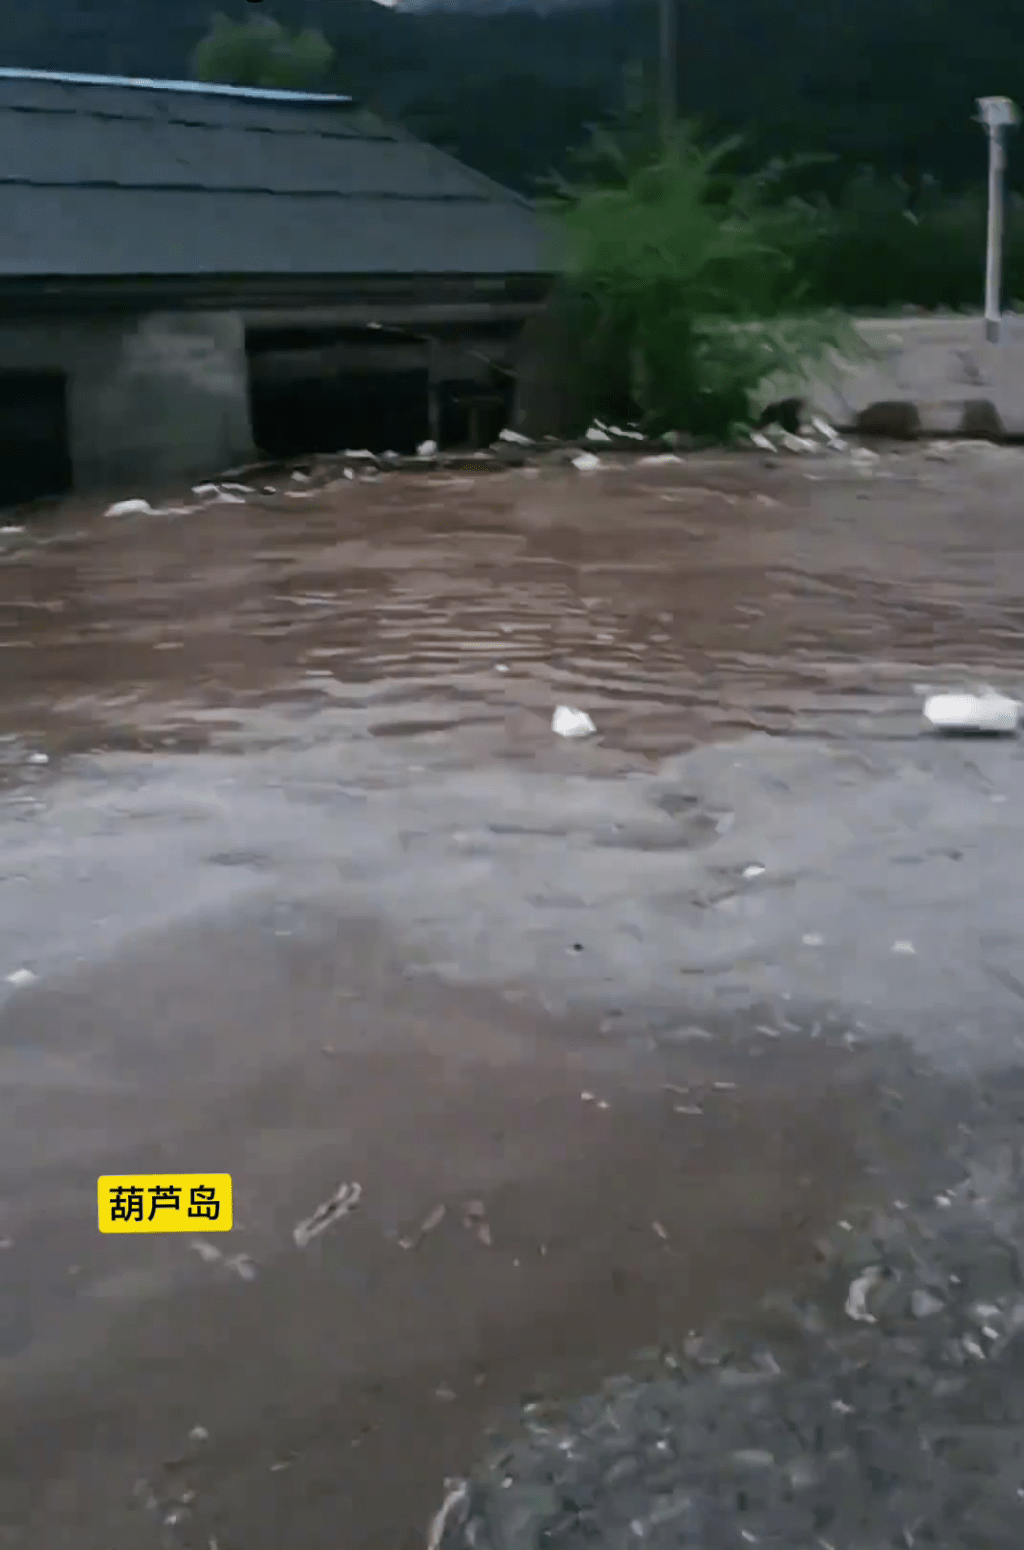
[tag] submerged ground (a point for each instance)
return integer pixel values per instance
(312, 895)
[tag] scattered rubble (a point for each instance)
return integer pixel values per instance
(345, 1199)
(432, 1220)
(816, 437)
(883, 1408)
(786, 433)
(240, 1265)
(225, 494)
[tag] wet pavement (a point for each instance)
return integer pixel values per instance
(312, 894)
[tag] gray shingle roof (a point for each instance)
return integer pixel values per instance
(113, 178)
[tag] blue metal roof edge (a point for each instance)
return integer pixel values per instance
(204, 88)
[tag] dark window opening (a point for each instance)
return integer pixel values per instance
(343, 389)
(329, 414)
(35, 457)
(473, 414)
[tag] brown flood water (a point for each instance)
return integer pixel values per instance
(676, 604)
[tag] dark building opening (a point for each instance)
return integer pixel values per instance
(363, 388)
(35, 456)
(330, 413)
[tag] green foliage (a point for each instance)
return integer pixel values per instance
(881, 243)
(689, 267)
(259, 52)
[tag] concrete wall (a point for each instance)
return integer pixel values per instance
(151, 399)
(943, 366)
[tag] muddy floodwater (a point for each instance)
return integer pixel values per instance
(713, 599)
(298, 884)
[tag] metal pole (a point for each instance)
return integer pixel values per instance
(994, 240)
(668, 61)
(997, 114)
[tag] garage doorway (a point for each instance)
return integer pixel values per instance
(35, 456)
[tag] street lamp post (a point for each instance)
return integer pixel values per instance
(998, 114)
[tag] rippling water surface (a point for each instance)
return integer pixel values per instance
(675, 604)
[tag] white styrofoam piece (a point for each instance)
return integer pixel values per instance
(982, 712)
(567, 722)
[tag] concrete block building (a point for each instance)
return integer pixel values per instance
(190, 272)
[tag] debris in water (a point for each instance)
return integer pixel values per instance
(433, 1219)
(130, 508)
(983, 711)
(199, 1434)
(300, 477)
(812, 939)
(687, 1034)
(21, 977)
(860, 1290)
(659, 459)
(38, 758)
(456, 1495)
(828, 433)
(239, 1264)
(515, 436)
(923, 1305)
(345, 1199)
(220, 493)
(597, 432)
(427, 449)
(660, 1230)
(567, 722)
(754, 870)
(586, 462)
(904, 947)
